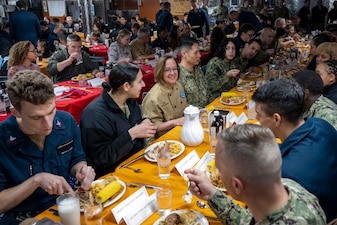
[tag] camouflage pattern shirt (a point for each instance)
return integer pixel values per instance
(302, 208)
(220, 12)
(195, 86)
(217, 79)
(325, 109)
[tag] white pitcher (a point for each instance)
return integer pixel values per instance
(192, 133)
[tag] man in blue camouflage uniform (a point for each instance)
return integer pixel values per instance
(249, 162)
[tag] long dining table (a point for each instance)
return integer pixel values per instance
(149, 173)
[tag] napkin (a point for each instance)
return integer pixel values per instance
(74, 93)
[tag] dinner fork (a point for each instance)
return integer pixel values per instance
(135, 170)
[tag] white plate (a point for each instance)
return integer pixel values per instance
(200, 221)
(220, 189)
(152, 147)
(240, 88)
(111, 201)
(242, 100)
(254, 75)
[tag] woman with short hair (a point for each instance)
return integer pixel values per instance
(120, 50)
(164, 104)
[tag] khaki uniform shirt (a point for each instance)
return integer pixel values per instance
(138, 49)
(195, 86)
(163, 104)
(325, 109)
(302, 208)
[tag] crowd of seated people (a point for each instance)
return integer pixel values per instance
(234, 52)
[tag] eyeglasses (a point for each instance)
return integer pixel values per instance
(169, 70)
(35, 51)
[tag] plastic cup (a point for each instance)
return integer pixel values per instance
(164, 167)
(93, 213)
(164, 200)
(69, 209)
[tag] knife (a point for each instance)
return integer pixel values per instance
(134, 160)
(137, 184)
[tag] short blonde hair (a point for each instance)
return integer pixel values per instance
(160, 67)
(329, 48)
(121, 34)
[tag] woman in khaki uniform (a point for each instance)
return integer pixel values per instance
(164, 104)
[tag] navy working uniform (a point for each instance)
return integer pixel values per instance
(21, 159)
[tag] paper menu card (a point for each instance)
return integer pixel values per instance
(136, 208)
(232, 119)
(187, 162)
(202, 164)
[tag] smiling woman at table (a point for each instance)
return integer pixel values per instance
(22, 56)
(112, 127)
(120, 50)
(164, 104)
(222, 70)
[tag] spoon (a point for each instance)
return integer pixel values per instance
(187, 198)
(201, 205)
(135, 170)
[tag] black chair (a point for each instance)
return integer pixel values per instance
(98, 59)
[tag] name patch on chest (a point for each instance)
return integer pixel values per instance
(65, 148)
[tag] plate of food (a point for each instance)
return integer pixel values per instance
(254, 75)
(241, 83)
(233, 100)
(86, 76)
(109, 190)
(176, 148)
(183, 217)
(214, 176)
(240, 88)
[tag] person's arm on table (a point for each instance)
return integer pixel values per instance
(168, 125)
(223, 207)
(150, 110)
(104, 144)
(145, 129)
(83, 173)
(53, 184)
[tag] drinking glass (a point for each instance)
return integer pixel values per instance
(69, 209)
(93, 212)
(245, 91)
(164, 200)
(164, 162)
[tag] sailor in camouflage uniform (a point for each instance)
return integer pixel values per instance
(191, 76)
(316, 104)
(249, 162)
(223, 70)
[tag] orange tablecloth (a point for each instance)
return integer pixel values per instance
(150, 175)
(43, 67)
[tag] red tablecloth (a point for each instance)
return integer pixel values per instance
(74, 106)
(148, 77)
(99, 50)
(204, 57)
